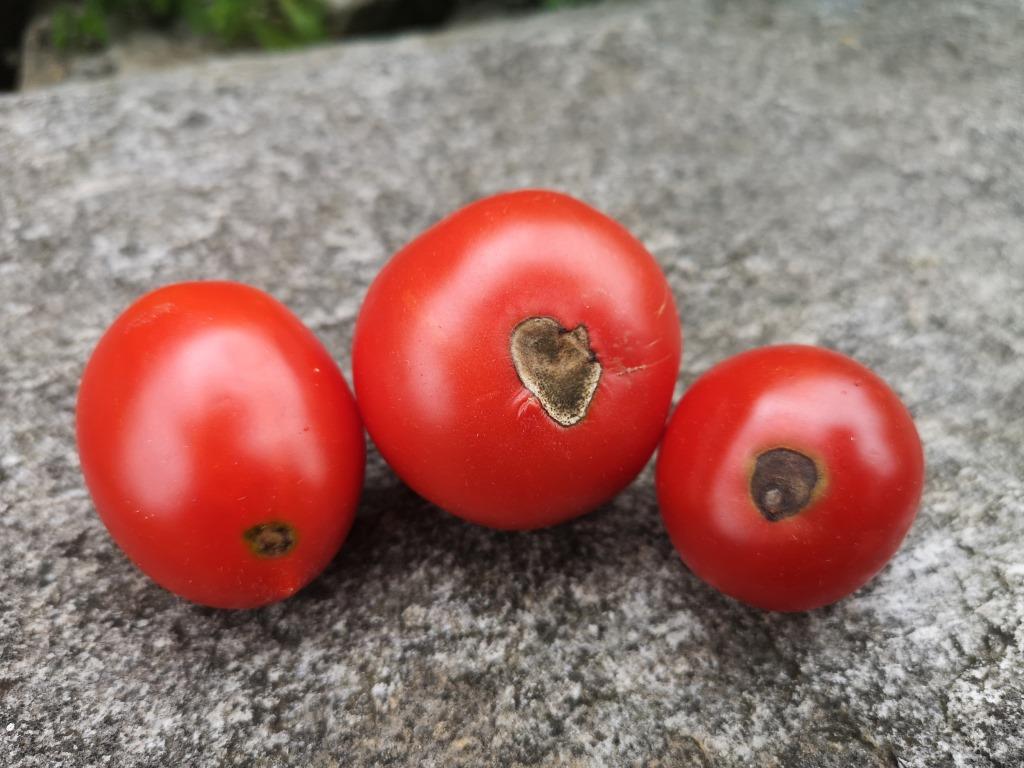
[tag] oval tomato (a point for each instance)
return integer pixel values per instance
(220, 443)
(515, 363)
(788, 476)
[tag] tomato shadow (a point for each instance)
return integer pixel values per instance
(405, 557)
(581, 576)
(422, 552)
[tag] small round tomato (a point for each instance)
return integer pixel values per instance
(788, 476)
(515, 363)
(220, 443)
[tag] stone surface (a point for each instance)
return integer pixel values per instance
(834, 174)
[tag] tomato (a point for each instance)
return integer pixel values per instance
(788, 476)
(220, 443)
(515, 363)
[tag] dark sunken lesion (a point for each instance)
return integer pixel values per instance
(557, 366)
(783, 483)
(271, 539)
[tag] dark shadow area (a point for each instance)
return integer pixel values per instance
(390, 16)
(14, 17)
(394, 15)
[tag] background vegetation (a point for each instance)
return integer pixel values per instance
(266, 23)
(88, 24)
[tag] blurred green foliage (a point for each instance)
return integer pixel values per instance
(267, 23)
(87, 24)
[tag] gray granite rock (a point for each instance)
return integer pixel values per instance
(834, 174)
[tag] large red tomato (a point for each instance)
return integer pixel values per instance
(515, 363)
(788, 476)
(220, 443)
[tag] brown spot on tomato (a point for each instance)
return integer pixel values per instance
(783, 483)
(273, 539)
(557, 366)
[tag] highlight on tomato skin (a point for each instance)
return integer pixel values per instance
(220, 444)
(515, 363)
(788, 476)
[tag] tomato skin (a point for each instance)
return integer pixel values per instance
(206, 411)
(829, 408)
(435, 380)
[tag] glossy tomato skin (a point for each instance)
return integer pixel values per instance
(828, 408)
(220, 444)
(437, 386)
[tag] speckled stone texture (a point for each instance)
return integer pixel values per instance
(825, 173)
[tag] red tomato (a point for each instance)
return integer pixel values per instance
(515, 363)
(220, 443)
(788, 476)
